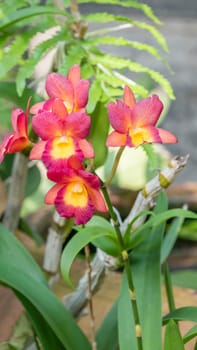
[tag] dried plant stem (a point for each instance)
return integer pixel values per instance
(16, 192)
(90, 300)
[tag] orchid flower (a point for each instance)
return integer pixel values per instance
(76, 194)
(18, 140)
(61, 138)
(71, 92)
(135, 122)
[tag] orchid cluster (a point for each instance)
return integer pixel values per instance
(62, 126)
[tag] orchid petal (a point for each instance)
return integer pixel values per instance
(167, 136)
(47, 125)
(147, 134)
(128, 97)
(52, 194)
(37, 107)
(58, 86)
(81, 94)
(86, 148)
(17, 144)
(119, 116)
(98, 200)
(19, 121)
(58, 107)
(78, 124)
(147, 112)
(37, 150)
(116, 139)
(74, 74)
(4, 146)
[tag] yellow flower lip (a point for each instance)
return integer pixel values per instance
(78, 188)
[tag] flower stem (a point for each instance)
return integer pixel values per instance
(115, 165)
(168, 286)
(127, 266)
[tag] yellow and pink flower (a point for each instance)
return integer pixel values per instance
(61, 138)
(76, 194)
(135, 122)
(18, 140)
(71, 92)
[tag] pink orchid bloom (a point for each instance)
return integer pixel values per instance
(18, 140)
(61, 138)
(134, 122)
(70, 92)
(76, 194)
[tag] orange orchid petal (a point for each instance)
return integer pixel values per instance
(147, 112)
(58, 86)
(167, 136)
(98, 200)
(116, 139)
(128, 97)
(19, 122)
(37, 150)
(119, 116)
(74, 74)
(52, 194)
(86, 148)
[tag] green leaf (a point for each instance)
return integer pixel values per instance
(185, 278)
(121, 63)
(24, 13)
(24, 226)
(98, 133)
(190, 334)
(170, 238)
(8, 91)
(110, 40)
(95, 93)
(146, 9)
(146, 268)
(140, 233)
(20, 272)
(107, 334)
(74, 54)
(33, 180)
(126, 324)
(173, 339)
(26, 70)
(79, 241)
(187, 313)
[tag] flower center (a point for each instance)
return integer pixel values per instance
(62, 147)
(76, 195)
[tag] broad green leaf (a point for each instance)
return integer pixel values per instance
(79, 241)
(33, 180)
(126, 324)
(101, 222)
(121, 63)
(21, 273)
(170, 238)
(8, 91)
(187, 313)
(190, 334)
(185, 278)
(24, 13)
(99, 132)
(107, 334)
(146, 9)
(95, 93)
(173, 339)
(139, 234)
(104, 17)
(146, 268)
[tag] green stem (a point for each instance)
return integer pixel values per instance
(115, 165)
(168, 286)
(125, 258)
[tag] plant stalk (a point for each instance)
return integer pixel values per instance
(168, 287)
(115, 165)
(127, 266)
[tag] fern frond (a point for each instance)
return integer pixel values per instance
(25, 13)
(120, 41)
(27, 69)
(74, 54)
(121, 63)
(146, 9)
(103, 17)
